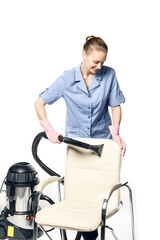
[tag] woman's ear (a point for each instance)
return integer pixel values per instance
(83, 54)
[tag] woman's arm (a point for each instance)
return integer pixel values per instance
(114, 129)
(116, 115)
(40, 108)
(41, 113)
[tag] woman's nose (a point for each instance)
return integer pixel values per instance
(99, 65)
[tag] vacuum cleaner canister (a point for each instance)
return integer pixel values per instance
(16, 217)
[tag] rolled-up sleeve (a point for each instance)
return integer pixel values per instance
(116, 96)
(54, 92)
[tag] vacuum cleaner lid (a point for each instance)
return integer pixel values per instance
(22, 173)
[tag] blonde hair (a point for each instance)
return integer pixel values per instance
(93, 43)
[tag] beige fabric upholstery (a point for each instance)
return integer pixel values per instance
(71, 215)
(45, 182)
(88, 180)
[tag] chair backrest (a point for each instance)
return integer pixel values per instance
(88, 176)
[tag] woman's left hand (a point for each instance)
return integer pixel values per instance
(114, 129)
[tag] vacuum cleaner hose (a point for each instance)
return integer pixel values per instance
(96, 148)
(35, 144)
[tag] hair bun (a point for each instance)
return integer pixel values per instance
(89, 37)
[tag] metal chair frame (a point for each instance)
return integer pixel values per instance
(103, 225)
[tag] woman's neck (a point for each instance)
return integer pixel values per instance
(85, 72)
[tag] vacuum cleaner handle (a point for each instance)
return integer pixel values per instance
(96, 148)
(73, 142)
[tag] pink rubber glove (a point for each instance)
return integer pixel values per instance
(50, 132)
(114, 129)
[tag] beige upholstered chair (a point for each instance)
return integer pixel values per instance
(91, 191)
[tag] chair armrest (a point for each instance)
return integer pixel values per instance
(107, 197)
(112, 189)
(45, 182)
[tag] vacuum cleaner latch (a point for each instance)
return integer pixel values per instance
(11, 198)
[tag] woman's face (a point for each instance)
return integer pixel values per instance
(94, 60)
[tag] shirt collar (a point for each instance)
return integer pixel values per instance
(78, 74)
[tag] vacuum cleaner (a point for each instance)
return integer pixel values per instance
(17, 200)
(17, 216)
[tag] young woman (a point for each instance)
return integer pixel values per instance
(88, 90)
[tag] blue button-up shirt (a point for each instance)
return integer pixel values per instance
(87, 109)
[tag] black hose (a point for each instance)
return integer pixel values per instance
(46, 198)
(96, 148)
(35, 144)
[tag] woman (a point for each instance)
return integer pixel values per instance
(88, 90)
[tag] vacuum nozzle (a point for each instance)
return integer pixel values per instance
(96, 148)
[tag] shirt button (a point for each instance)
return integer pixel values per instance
(89, 107)
(88, 116)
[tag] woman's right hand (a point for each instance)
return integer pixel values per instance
(114, 129)
(50, 132)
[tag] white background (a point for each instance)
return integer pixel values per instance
(41, 39)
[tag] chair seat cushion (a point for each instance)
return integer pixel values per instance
(75, 215)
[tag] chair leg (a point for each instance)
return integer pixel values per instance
(113, 232)
(102, 232)
(35, 231)
(132, 212)
(35, 209)
(63, 234)
(45, 232)
(78, 236)
(104, 209)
